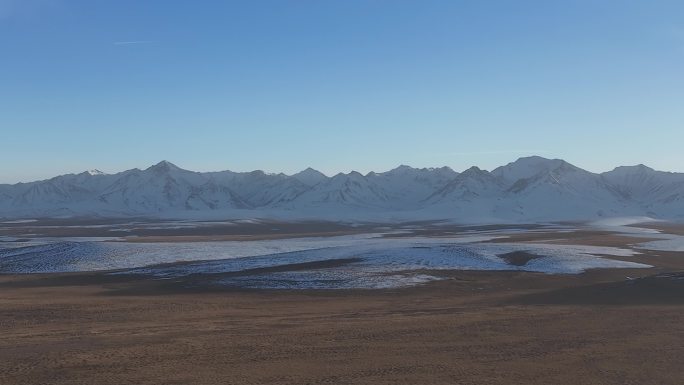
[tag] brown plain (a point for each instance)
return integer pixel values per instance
(599, 327)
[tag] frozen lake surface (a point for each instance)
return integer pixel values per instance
(359, 261)
(629, 227)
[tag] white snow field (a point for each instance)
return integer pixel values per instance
(361, 261)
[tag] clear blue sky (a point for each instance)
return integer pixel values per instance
(338, 85)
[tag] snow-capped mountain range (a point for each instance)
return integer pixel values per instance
(527, 190)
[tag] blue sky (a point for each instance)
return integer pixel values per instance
(338, 85)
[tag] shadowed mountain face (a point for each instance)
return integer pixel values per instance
(529, 189)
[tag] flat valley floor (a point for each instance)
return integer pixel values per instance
(611, 326)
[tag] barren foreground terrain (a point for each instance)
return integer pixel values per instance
(611, 326)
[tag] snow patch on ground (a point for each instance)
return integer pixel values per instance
(672, 243)
(353, 261)
(622, 221)
(19, 221)
(622, 226)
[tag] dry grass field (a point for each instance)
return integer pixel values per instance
(472, 328)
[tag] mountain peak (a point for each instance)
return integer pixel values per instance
(93, 172)
(163, 166)
(402, 167)
(309, 176)
(532, 158)
(309, 171)
(474, 170)
(527, 167)
(475, 174)
(402, 170)
(637, 168)
(538, 162)
(352, 175)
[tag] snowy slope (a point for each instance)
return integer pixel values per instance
(475, 195)
(161, 187)
(406, 186)
(258, 188)
(470, 185)
(568, 191)
(660, 193)
(351, 190)
(61, 195)
(525, 168)
(644, 183)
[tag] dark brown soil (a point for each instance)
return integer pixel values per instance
(518, 258)
(144, 230)
(474, 328)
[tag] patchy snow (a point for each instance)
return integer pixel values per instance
(664, 242)
(367, 261)
(394, 263)
(622, 221)
(624, 225)
(19, 221)
(671, 243)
